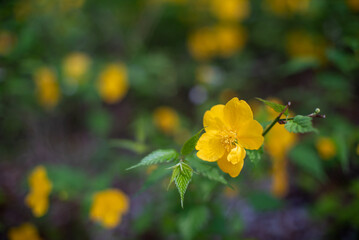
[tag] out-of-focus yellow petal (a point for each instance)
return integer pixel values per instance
(250, 136)
(210, 147)
(237, 113)
(232, 169)
(236, 155)
(213, 119)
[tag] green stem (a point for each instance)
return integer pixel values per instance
(275, 120)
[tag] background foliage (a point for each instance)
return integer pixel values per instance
(88, 88)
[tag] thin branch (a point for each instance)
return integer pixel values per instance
(312, 115)
(276, 119)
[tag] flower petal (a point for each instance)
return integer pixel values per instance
(210, 147)
(236, 155)
(250, 135)
(232, 169)
(237, 113)
(213, 119)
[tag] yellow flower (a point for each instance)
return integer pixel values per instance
(112, 83)
(108, 207)
(26, 231)
(230, 10)
(166, 119)
(326, 148)
(302, 45)
(222, 40)
(353, 4)
(40, 188)
(287, 7)
(75, 66)
(47, 88)
(230, 129)
(7, 42)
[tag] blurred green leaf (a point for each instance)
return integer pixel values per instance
(305, 158)
(298, 65)
(275, 106)
(67, 182)
(189, 146)
(193, 221)
(136, 147)
(342, 60)
(183, 179)
(158, 174)
(263, 201)
(300, 124)
(255, 155)
(158, 156)
(207, 170)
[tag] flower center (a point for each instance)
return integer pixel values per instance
(229, 139)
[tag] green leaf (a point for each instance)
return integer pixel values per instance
(307, 159)
(158, 156)
(189, 146)
(183, 179)
(192, 222)
(255, 155)
(300, 124)
(275, 106)
(207, 170)
(175, 173)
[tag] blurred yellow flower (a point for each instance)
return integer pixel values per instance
(7, 42)
(230, 129)
(302, 45)
(47, 88)
(278, 142)
(353, 4)
(40, 188)
(202, 43)
(230, 10)
(357, 149)
(75, 66)
(26, 231)
(280, 180)
(108, 206)
(326, 148)
(221, 40)
(287, 7)
(166, 119)
(113, 83)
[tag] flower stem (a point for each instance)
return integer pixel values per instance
(276, 119)
(312, 115)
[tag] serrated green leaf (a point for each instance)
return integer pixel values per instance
(275, 106)
(175, 173)
(300, 124)
(183, 179)
(156, 157)
(255, 155)
(192, 222)
(189, 146)
(207, 170)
